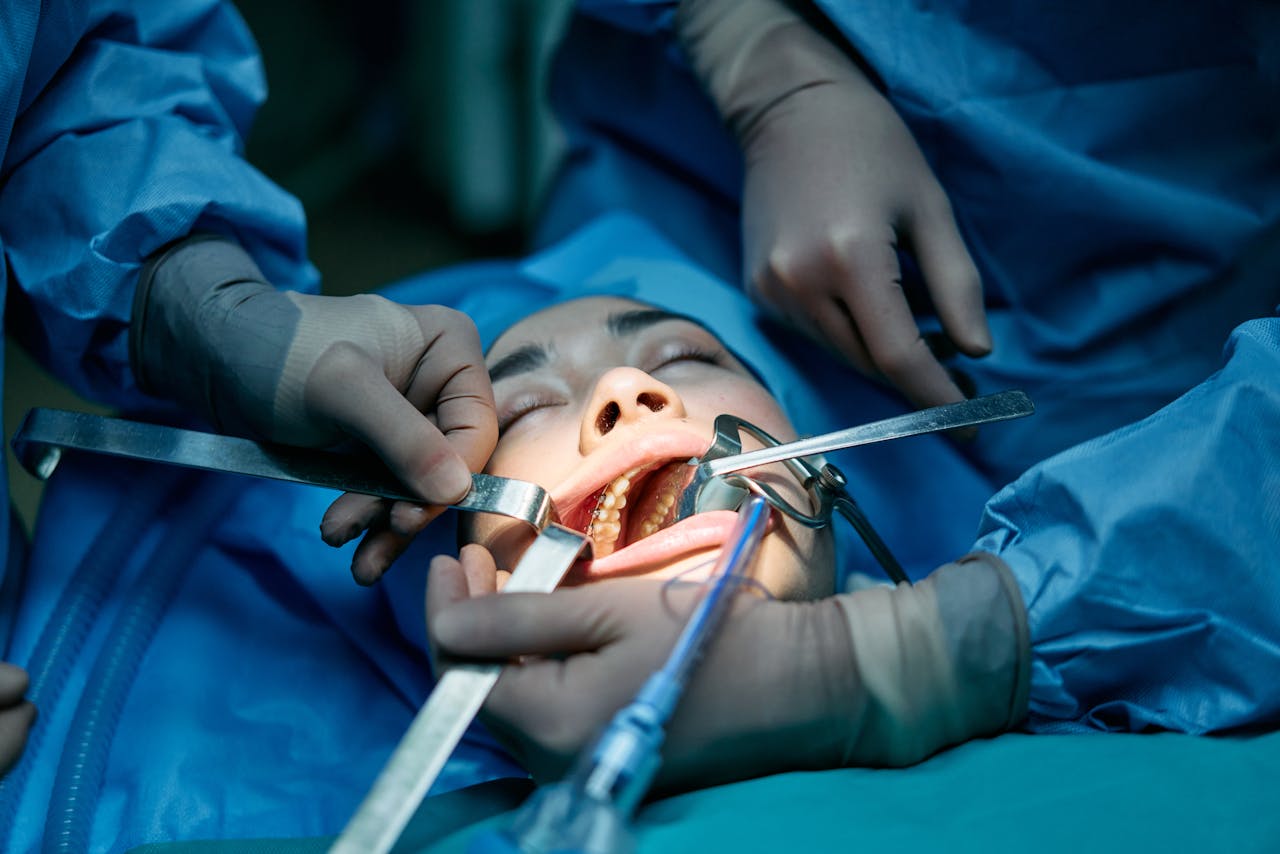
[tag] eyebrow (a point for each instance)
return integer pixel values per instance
(530, 357)
(622, 323)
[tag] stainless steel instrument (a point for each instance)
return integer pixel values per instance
(719, 480)
(726, 455)
(440, 723)
(46, 434)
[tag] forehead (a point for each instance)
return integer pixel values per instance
(585, 320)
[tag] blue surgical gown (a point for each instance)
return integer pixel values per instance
(274, 688)
(1139, 540)
(122, 124)
(1116, 177)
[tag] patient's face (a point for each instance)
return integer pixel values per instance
(602, 401)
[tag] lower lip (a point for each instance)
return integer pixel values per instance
(703, 531)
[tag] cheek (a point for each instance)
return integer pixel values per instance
(542, 452)
(745, 400)
(763, 411)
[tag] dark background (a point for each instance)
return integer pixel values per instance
(414, 132)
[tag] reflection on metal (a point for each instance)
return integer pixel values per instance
(718, 485)
(440, 723)
(46, 433)
(436, 729)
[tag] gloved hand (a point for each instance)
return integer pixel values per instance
(16, 715)
(772, 693)
(880, 677)
(407, 381)
(834, 183)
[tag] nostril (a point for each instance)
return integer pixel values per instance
(652, 402)
(607, 418)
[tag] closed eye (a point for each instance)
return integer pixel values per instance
(523, 406)
(688, 353)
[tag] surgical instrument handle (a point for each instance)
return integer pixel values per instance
(980, 410)
(46, 433)
(438, 727)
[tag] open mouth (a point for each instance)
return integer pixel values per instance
(636, 504)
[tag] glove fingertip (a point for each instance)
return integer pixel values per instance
(335, 533)
(445, 482)
(14, 682)
(977, 343)
(366, 576)
(449, 628)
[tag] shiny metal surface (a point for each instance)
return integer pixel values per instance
(726, 456)
(439, 725)
(718, 481)
(45, 434)
(967, 413)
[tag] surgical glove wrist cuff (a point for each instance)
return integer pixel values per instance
(940, 662)
(178, 336)
(752, 54)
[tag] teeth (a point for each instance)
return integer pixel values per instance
(606, 519)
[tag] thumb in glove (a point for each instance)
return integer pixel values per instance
(408, 381)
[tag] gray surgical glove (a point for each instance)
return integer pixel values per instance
(834, 182)
(408, 381)
(939, 662)
(17, 714)
(880, 677)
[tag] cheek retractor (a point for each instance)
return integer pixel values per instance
(718, 481)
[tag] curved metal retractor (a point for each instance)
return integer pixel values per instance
(826, 485)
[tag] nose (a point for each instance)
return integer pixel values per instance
(625, 396)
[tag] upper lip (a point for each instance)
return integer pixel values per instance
(645, 449)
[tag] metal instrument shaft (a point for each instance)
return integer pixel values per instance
(46, 433)
(1001, 406)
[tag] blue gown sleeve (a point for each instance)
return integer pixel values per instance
(1149, 560)
(130, 135)
(642, 16)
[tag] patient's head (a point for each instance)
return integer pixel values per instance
(601, 401)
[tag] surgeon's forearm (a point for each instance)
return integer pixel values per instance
(884, 677)
(752, 54)
(940, 662)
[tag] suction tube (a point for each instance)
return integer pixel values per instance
(588, 812)
(63, 637)
(82, 767)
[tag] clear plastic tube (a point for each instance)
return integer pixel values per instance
(83, 764)
(734, 561)
(589, 811)
(58, 648)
